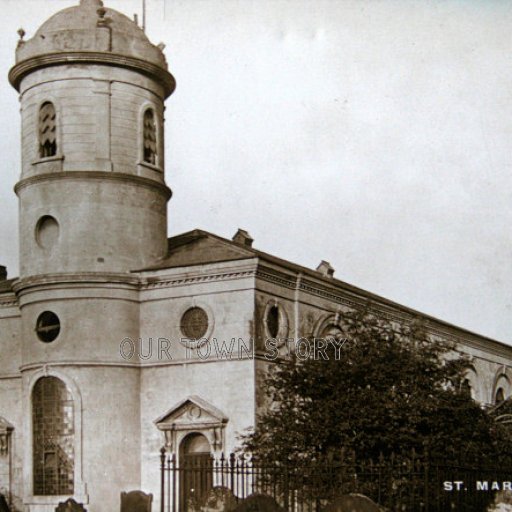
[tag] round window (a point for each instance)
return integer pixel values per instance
(194, 323)
(47, 326)
(273, 321)
(47, 232)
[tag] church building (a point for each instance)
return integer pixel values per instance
(115, 339)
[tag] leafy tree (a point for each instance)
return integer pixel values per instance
(501, 414)
(381, 392)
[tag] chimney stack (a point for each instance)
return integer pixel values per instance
(243, 238)
(325, 269)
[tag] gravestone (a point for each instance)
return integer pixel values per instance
(136, 501)
(258, 503)
(353, 503)
(4, 507)
(219, 499)
(70, 505)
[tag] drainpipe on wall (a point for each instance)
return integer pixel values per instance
(296, 304)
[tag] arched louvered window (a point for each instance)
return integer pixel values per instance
(47, 130)
(150, 146)
(53, 437)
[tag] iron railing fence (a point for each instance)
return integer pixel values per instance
(398, 483)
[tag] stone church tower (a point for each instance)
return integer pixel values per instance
(93, 206)
(120, 340)
(92, 191)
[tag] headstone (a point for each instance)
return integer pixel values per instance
(136, 501)
(353, 503)
(258, 503)
(70, 505)
(219, 499)
(4, 507)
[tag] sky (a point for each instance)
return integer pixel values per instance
(374, 134)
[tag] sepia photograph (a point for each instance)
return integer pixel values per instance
(255, 255)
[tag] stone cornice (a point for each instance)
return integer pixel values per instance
(78, 279)
(96, 175)
(172, 281)
(128, 280)
(8, 300)
(276, 277)
(25, 67)
(470, 340)
(331, 293)
(12, 302)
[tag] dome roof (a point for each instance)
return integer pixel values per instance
(90, 27)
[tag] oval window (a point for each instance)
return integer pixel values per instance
(47, 232)
(273, 321)
(47, 326)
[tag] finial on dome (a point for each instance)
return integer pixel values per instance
(92, 3)
(21, 41)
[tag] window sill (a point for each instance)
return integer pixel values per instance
(56, 158)
(147, 165)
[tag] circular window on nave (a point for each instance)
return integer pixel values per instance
(194, 323)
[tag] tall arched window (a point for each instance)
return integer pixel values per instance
(149, 135)
(53, 437)
(47, 130)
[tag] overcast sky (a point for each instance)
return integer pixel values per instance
(374, 134)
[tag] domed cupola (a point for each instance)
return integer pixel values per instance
(91, 33)
(92, 189)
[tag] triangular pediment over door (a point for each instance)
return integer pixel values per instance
(193, 414)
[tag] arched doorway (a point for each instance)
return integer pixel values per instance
(196, 470)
